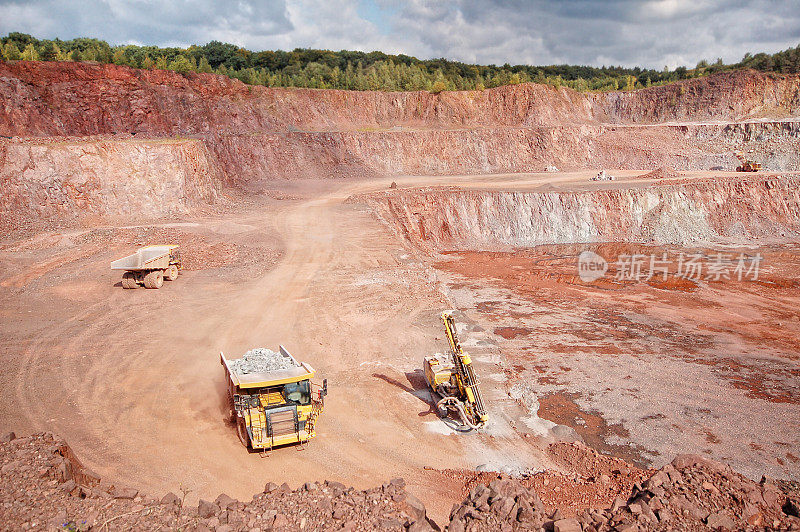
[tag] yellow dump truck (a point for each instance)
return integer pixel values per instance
(272, 399)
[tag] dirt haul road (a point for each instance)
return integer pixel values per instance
(132, 378)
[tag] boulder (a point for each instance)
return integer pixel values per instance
(206, 509)
(170, 499)
(124, 493)
(567, 525)
(225, 502)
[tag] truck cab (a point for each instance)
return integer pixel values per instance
(274, 408)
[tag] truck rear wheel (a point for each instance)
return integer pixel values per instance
(129, 280)
(154, 279)
(171, 273)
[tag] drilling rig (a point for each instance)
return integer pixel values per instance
(455, 381)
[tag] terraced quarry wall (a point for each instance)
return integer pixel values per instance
(495, 150)
(240, 133)
(88, 99)
(439, 219)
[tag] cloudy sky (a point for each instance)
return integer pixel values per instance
(651, 33)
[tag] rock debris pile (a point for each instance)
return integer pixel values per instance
(694, 493)
(664, 172)
(44, 487)
(505, 504)
(691, 493)
(261, 360)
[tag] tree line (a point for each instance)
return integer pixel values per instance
(352, 70)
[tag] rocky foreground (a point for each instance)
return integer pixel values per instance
(44, 487)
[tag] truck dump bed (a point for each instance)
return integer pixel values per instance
(292, 371)
(147, 258)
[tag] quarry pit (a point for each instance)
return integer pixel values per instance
(291, 234)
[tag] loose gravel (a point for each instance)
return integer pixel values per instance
(261, 360)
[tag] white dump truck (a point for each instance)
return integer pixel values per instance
(149, 266)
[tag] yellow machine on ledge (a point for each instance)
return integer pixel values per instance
(454, 380)
(272, 408)
(747, 165)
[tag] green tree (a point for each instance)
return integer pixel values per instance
(90, 54)
(21, 40)
(204, 66)
(48, 52)
(630, 83)
(11, 52)
(119, 57)
(181, 64)
(218, 53)
(356, 70)
(30, 53)
(438, 87)
(62, 55)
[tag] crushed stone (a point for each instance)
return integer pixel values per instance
(261, 360)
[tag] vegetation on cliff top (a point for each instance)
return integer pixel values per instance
(324, 69)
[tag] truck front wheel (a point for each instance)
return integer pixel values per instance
(241, 430)
(171, 273)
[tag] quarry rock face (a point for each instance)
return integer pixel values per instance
(49, 98)
(732, 96)
(136, 133)
(103, 140)
(454, 219)
(64, 99)
(68, 179)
